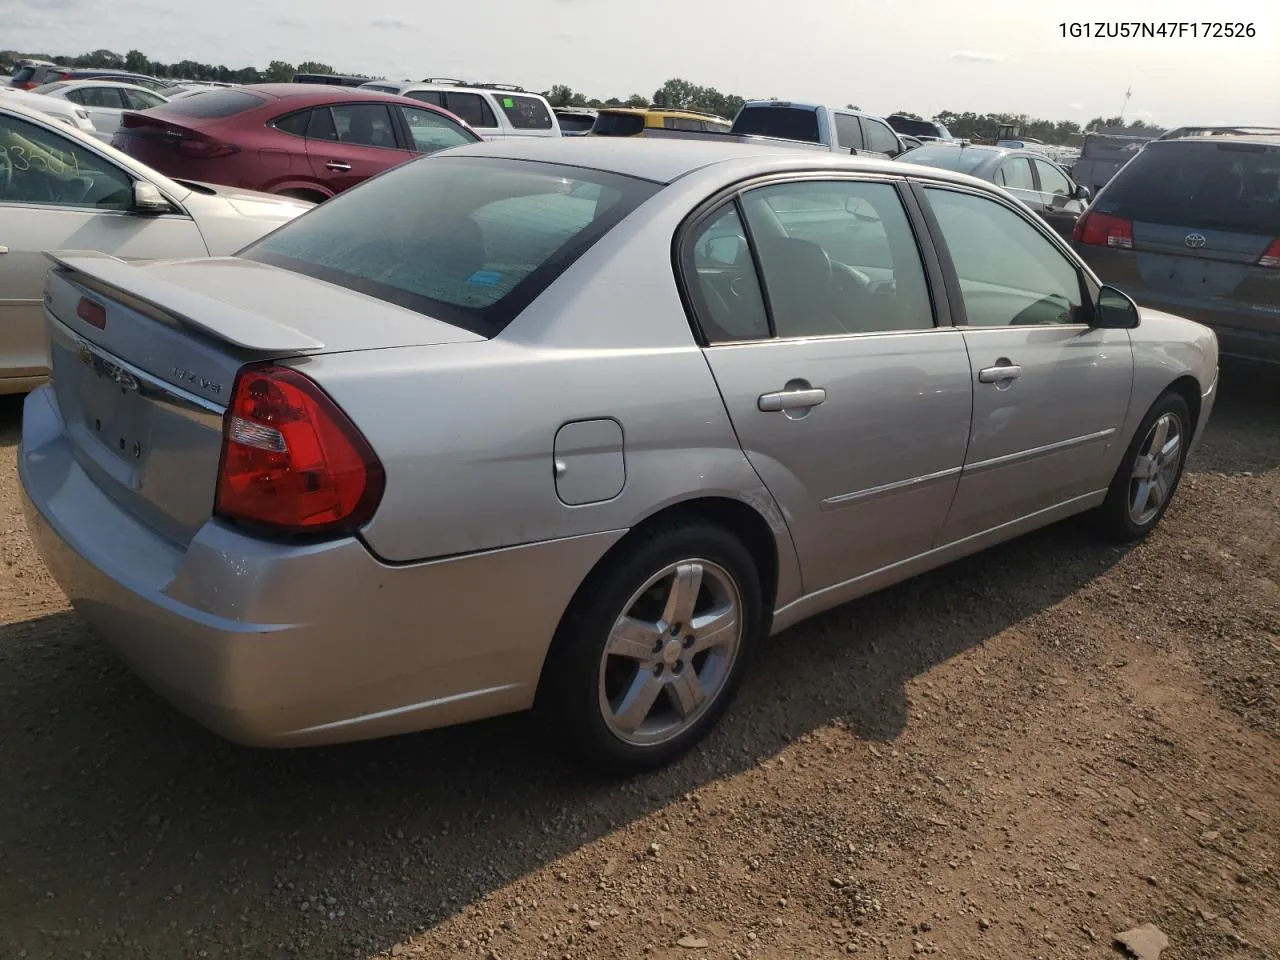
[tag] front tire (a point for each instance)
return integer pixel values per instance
(653, 648)
(1148, 476)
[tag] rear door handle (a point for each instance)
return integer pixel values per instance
(335, 165)
(791, 399)
(999, 374)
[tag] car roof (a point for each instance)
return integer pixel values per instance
(99, 82)
(664, 161)
(324, 91)
(1260, 139)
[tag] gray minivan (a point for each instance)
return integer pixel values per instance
(1192, 226)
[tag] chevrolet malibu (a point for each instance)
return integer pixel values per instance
(574, 426)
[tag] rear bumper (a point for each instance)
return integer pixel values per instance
(286, 645)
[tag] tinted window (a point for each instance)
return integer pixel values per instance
(879, 137)
(382, 87)
(367, 124)
(108, 97)
(296, 123)
(683, 123)
(471, 108)
(213, 104)
(525, 113)
(618, 124)
(916, 128)
(959, 159)
(1010, 274)
(141, 99)
(320, 126)
(1016, 174)
(789, 123)
(433, 97)
(845, 260)
(470, 242)
(45, 168)
(1216, 186)
(1053, 180)
(432, 132)
(22, 75)
(848, 132)
(575, 122)
(726, 290)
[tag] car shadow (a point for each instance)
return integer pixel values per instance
(11, 419)
(1245, 417)
(126, 830)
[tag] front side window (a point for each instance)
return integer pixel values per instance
(837, 257)
(141, 99)
(432, 132)
(1015, 174)
(367, 124)
(525, 113)
(471, 108)
(1053, 180)
(848, 131)
(879, 137)
(41, 167)
(467, 241)
(108, 97)
(1010, 274)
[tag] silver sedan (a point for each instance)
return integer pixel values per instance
(575, 426)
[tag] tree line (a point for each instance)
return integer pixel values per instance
(675, 93)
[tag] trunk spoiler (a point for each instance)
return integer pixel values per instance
(213, 317)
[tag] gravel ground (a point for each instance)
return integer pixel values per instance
(1015, 757)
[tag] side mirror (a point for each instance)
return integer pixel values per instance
(1083, 193)
(1115, 310)
(148, 199)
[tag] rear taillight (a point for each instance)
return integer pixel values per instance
(1271, 256)
(1103, 230)
(292, 461)
(92, 313)
(202, 148)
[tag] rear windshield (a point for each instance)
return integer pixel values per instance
(576, 123)
(789, 123)
(1207, 184)
(213, 104)
(618, 124)
(468, 240)
(525, 113)
(959, 159)
(23, 74)
(917, 128)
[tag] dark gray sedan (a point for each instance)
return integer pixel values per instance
(1031, 177)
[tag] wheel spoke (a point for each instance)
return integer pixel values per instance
(713, 629)
(686, 583)
(1161, 486)
(1140, 496)
(1169, 452)
(1159, 433)
(686, 691)
(637, 701)
(1143, 467)
(634, 639)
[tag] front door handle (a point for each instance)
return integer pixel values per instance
(791, 399)
(999, 373)
(335, 165)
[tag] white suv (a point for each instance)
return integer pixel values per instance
(496, 111)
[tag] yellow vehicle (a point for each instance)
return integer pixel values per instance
(632, 121)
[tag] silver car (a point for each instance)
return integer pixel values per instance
(61, 188)
(104, 100)
(575, 425)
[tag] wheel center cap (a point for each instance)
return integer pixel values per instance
(671, 652)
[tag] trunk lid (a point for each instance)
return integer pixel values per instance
(143, 372)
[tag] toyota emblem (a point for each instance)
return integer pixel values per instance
(1194, 240)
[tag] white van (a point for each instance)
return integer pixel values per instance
(496, 111)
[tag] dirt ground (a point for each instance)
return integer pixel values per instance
(1016, 757)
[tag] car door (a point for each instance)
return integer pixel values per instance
(429, 131)
(347, 143)
(1050, 392)
(1016, 176)
(59, 195)
(1060, 206)
(850, 400)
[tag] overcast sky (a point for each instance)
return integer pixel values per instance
(918, 55)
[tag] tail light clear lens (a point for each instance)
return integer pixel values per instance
(1103, 230)
(292, 462)
(1271, 256)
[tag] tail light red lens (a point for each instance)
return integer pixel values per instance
(292, 461)
(205, 149)
(1103, 230)
(1271, 256)
(92, 313)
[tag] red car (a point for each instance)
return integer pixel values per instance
(296, 139)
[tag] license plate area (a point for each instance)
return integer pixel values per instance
(115, 412)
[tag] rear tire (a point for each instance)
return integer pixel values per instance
(1148, 476)
(653, 648)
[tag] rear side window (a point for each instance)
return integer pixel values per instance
(294, 123)
(789, 123)
(525, 113)
(23, 74)
(618, 124)
(1212, 185)
(469, 241)
(471, 108)
(213, 104)
(433, 97)
(108, 97)
(575, 123)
